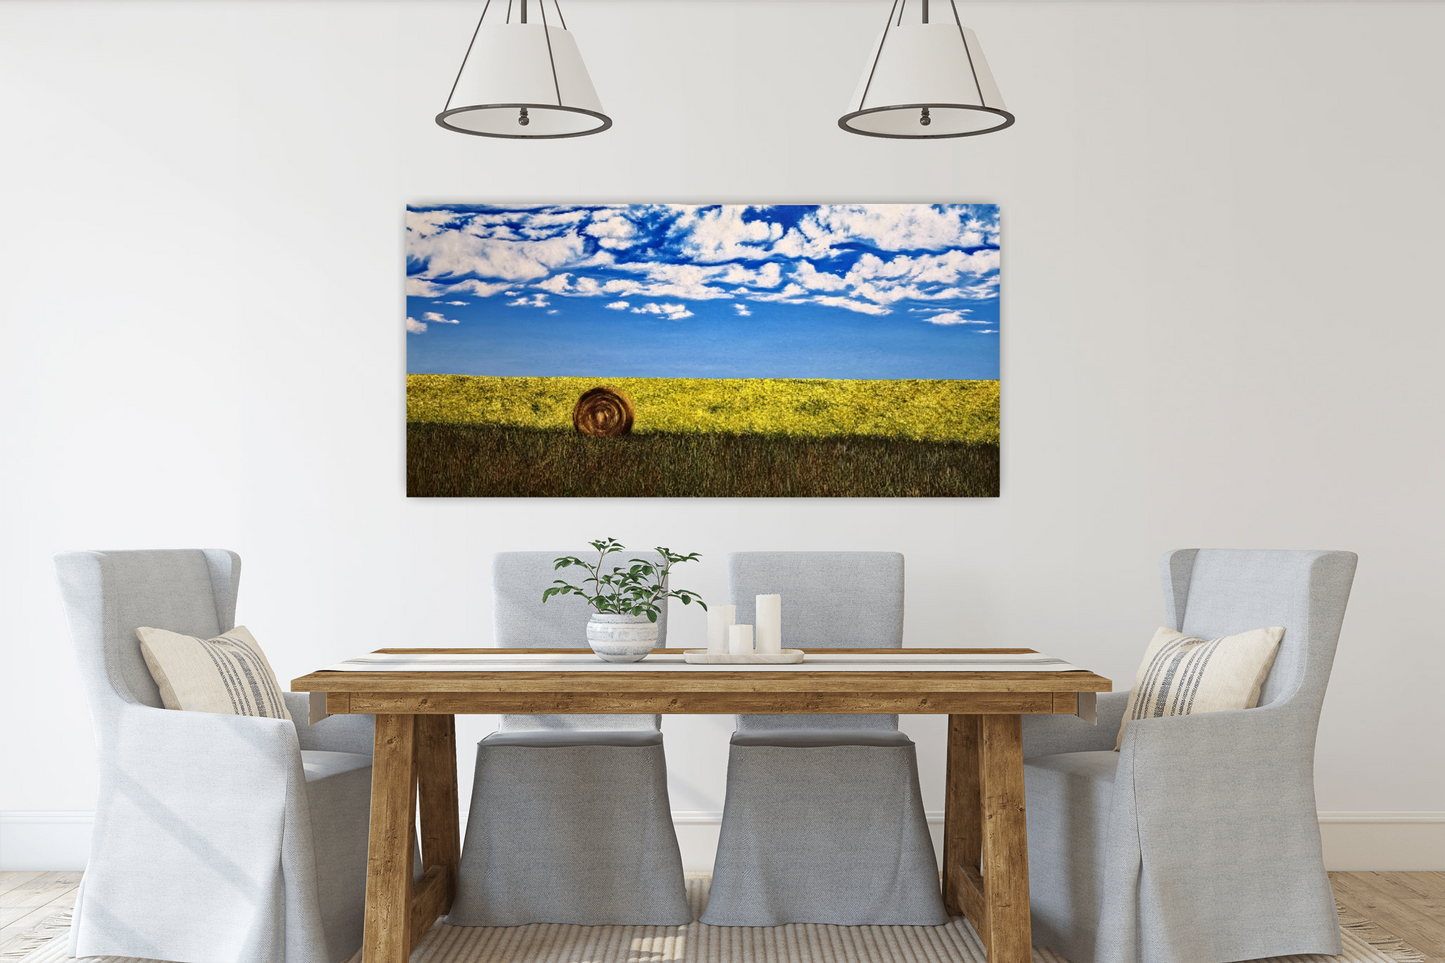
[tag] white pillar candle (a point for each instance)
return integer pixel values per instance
(740, 639)
(719, 618)
(770, 624)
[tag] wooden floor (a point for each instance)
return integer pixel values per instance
(1410, 906)
(27, 900)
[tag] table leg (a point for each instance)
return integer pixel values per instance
(963, 823)
(441, 850)
(985, 841)
(1005, 850)
(387, 937)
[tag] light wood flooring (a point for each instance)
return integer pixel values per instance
(1410, 906)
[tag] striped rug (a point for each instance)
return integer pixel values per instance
(696, 943)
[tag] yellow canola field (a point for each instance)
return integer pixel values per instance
(809, 408)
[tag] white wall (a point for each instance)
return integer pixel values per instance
(1220, 299)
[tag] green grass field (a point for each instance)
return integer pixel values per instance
(479, 436)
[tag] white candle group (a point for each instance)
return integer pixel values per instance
(719, 619)
(740, 640)
(770, 624)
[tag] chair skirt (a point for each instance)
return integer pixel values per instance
(338, 797)
(570, 827)
(820, 833)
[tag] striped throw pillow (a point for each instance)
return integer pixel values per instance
(228, 674)
(1182, 675)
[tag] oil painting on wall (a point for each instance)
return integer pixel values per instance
(712, 350)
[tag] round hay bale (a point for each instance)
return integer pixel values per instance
(603, 412)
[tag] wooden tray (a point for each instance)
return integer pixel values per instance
(785, 657)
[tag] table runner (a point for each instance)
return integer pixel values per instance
(672, 661)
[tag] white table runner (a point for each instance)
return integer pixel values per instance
(672, 661)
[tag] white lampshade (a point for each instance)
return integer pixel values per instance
(516, 72)
(927, 80)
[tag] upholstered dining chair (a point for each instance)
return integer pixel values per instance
(217, 837)
(823, 820)
(1198, 839)
(570, 820)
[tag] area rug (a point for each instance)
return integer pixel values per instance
(696, 943)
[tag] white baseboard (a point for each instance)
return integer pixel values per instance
(1352, 840)
(45, 840)
(1383, 841)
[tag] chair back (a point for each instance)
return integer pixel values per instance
(831, 600)
(108, 595)
(1216, 592)
(521, 620)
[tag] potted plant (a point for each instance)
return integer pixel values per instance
(625, 601)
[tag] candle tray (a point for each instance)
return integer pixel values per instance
(702, 657)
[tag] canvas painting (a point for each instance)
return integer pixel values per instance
(702, 350)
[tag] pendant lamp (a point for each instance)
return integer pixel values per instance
(925, 78)
(522, 78)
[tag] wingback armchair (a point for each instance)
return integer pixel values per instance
(218, 838)
(1198, 839)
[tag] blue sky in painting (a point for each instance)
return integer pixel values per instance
(722, 291)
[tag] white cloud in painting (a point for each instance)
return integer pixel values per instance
(612, 230)
(673, 312)
(899, 227)
(814, 280)
(413, 326)
(563, 284)
(455, 304)
(743, 311)
(770, 275)
(535, 301)
(983, 290)
(792, 294)
(618, 305)
(687, 281)
(477, 288)
(953, 317)
(463, 252)
(989, 331)
(721, 234)
(862, 307)
(554, 218)
(429, 223)
(435, 318)
(908, 277)
(421, 288)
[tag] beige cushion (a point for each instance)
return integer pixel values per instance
(228, 674)
(1182, 675)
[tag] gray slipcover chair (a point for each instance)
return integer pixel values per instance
(823, 820)
(217, 837)
(570, 820)
(1198, 840)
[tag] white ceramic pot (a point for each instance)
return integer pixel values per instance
(621, 638)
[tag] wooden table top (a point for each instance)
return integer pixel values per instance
(912, 672)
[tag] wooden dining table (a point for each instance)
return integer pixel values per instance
(415, 695)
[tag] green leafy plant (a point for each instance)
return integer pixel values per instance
(640, 588)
